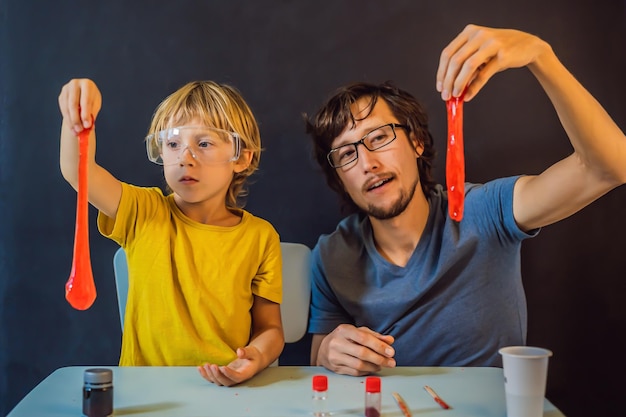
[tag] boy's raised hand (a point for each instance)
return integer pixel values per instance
(80, 102)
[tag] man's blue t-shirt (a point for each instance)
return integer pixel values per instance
(455, 303)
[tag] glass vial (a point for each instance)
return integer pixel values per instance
(320, 388)
(98, 392)
(372, 396)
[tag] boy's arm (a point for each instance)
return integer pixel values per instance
(266, 344)
(267, 330)
(79, 103)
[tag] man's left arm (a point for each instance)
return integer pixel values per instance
(598, 163)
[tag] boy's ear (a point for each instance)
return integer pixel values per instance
(245, 158)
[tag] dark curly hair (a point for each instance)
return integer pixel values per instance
(333, 117)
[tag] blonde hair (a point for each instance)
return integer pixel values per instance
(220, 106)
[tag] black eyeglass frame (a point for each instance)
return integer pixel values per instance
(362, 142)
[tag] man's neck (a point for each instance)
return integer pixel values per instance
(397, 238)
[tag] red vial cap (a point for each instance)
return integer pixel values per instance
(320, 383)
(372, 384)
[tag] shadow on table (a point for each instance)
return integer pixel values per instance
(138, 409)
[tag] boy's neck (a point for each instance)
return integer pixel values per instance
(209, 213)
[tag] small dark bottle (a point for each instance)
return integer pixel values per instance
(98, 393)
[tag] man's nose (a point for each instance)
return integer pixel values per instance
(368, 159)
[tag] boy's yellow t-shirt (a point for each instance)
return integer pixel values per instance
(191, 285)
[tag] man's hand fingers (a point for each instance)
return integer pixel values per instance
(361, 350)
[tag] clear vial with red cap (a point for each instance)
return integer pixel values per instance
(372, 396)
(320, 389)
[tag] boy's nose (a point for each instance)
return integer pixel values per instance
(184, 158)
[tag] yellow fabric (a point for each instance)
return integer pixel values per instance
(191, 285)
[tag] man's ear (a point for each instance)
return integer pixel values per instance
(418, 146)
(245, 158)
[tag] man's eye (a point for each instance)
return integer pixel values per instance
(378, 138)
(346, 154)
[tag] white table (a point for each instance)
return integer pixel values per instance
(278, 391)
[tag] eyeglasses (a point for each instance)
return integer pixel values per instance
(205, 144)
(374, 140)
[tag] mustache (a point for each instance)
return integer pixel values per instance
(376, 180)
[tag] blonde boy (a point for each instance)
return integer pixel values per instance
(204, 275)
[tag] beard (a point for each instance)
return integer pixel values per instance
(396, 208)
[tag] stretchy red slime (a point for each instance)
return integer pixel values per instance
(80, 290)
(455, 159)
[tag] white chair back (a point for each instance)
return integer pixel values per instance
(294, 309)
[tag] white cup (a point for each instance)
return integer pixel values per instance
(525, 376)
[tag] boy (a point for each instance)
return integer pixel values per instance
(204, 275)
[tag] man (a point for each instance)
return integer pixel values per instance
(400, 283)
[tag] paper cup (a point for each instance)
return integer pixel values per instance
(525, 375)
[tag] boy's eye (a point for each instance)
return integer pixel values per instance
(206, 140)
(171, 145)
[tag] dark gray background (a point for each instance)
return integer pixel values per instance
(286, 57)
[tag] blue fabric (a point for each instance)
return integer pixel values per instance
(458, 299)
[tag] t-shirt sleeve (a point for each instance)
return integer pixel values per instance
(114, 228)
(268, 282)
(490, 207)
(136, 204)
(326, 311)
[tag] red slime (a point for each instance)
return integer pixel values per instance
(455, 159)
(80, 290)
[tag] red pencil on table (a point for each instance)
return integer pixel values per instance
(402, 405)
(437, 398)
